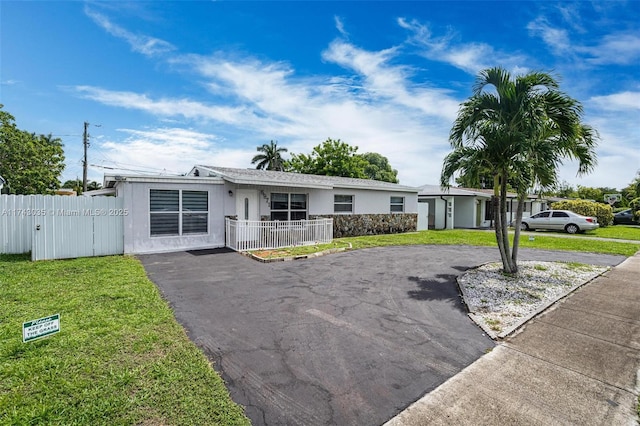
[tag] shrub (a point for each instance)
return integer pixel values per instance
(603, 212)
(635, 208)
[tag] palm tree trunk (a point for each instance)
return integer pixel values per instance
(496, 203)
(509, 267)
(516, 236)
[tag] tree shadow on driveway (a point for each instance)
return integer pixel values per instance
(442, 287)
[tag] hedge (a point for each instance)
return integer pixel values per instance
(603, 212)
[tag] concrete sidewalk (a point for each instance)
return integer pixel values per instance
(578, 363)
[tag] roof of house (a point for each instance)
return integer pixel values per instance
(436, 190)
(298, 180)
(110, 180)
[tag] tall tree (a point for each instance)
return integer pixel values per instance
(270, 157)
(379, 168)
(31, 164)
(331, 158)
(632, 190)
(519, 128)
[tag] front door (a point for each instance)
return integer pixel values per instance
(247, 204)
(248, 212)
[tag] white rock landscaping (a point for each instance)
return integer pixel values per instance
(500, 303)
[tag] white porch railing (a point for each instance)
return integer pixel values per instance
(244, 235)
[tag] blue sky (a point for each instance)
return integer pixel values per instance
(173, 84)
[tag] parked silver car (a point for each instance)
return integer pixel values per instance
(559, 220)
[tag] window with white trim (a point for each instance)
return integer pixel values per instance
(342, 203)
(286, 206)
(178, 212)
(397, 204)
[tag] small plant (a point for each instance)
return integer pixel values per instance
(540, 267)
(494, 324)
(575, 266)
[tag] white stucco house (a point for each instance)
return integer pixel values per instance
(470, 208)
(173, 213)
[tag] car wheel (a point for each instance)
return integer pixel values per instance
(571, 228)
(524, 226)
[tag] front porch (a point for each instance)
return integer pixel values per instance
(245, 235)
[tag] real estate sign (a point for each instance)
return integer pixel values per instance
(41, 327)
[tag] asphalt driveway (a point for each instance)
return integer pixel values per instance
(346, 339)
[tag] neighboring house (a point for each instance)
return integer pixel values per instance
(470, 208)
(188, 212)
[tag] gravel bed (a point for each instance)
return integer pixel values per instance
(500, 303)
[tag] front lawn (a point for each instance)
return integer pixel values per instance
(621, 232)
(487, 238)
(120, 357)
(542, 240)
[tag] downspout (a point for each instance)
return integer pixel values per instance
(445, 212)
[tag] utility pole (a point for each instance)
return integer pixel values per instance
(85, 142)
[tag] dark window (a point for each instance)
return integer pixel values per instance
(279, 201)
(397, 204)
(343, 203)
(279, 216)
(560, 214)
(539, 215)
(299, 202)
(488, 210)
(288, 206)
(168, 207)
(164, 206)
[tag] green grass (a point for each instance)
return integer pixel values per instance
(621, 232)
(546, 240)
(119, 359)
(483, 238)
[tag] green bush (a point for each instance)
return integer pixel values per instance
(603, 212)
(635, 208)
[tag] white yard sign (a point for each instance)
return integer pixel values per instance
(42, 327)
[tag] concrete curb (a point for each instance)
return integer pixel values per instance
(298, 257)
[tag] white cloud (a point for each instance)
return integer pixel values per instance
(623, 101)
(340, 26)
(148, 46)
(374, 104)
(557, 39)
(166, 107)
(615, 117)
(165, 151)
(615, 48)
(381, 80)
(469, 57)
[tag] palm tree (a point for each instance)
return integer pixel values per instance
(519, 128)
(270, 157)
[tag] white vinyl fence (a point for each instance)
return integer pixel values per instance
(244, 235)
(59, 227)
